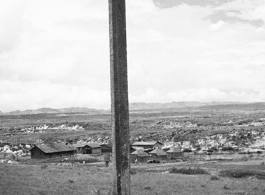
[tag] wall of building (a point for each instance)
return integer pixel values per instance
(105, 149)
(36, 153)
(96, 151)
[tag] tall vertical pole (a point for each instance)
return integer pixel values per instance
(119, 98)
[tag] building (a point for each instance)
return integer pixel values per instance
(174, 153)
(140, 155)
(106, 148)
(148, 145)
(88, 148)
(158, 154)
(51, 150)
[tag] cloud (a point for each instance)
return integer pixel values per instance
(243, 11)
(11, 22)
(198, 53)
(199, 94)
(172, 3)
(56, 53)
(32, 95)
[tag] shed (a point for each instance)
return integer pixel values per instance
(174, 153)
(88, 148)
(148, 145)
(158, 154)
(140, 155)
(51, 150)
(106, 148)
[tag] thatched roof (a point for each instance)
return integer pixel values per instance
(54, 147)
(140, 153)
(158, 152)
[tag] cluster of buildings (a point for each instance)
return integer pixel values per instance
(140, 151)
(242, 141)
(51, 149)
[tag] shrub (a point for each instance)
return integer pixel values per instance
(214, 177)
(44, 166)
(226, 187)
(228, 148)
(99, 192)
(189, 171)
(147, 187)
(241, 173)
(187, 150)
(132, 171)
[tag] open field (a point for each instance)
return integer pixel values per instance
(191, 128)
(22, 179)
(163, 124)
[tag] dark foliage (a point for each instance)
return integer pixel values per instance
(189, 171)
(241, 173)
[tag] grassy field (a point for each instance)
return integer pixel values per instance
(22, 179)
(148, 179)
(141, 123)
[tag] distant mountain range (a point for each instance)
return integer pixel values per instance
(155, 106)
(202, 106)
(54, 111)
(217, 106)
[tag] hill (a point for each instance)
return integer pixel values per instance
(155, 106)
(56, 111)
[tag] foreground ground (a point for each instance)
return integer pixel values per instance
(23, 179)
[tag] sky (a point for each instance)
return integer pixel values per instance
(55, 53)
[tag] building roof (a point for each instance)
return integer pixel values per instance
(140, 153)
(152, 143)
(90, 144)
(173, 150)
(54, 147)
(93, 145)
(158, 152)
(107, 145)
(79, 145)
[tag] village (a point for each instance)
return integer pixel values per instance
(233, 145)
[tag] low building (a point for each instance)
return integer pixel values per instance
(88, 148)
(140, 156)
(51, 150)
(106, 148)
(158, 154)
(148, 145)
(174, 153)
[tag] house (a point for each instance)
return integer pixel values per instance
(106, 148)
(158, 154)
(88, 148)
(148, 145)
(174, 153)
(140, 155)
(51, 150)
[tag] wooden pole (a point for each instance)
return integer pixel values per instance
(119, 98)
